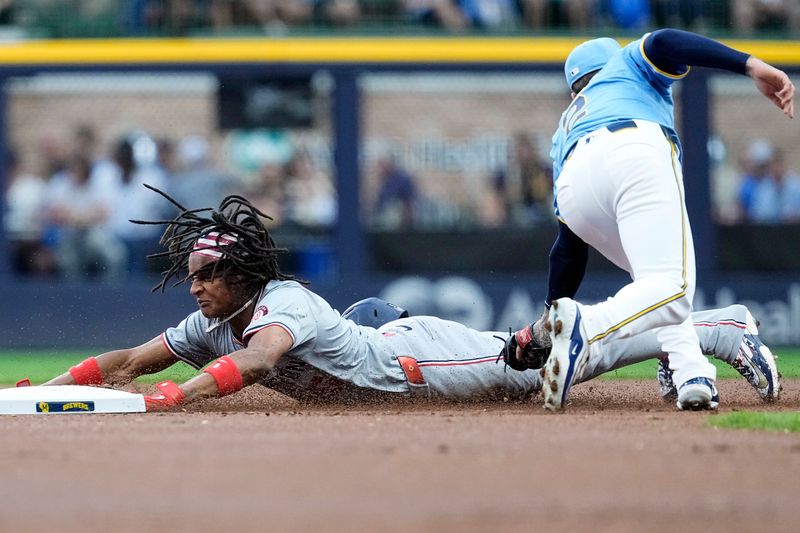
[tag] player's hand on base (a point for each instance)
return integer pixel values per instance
(772, 83)
(169, 396)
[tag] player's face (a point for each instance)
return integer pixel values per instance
(214, 297)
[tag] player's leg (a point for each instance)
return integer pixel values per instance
(457, 362)
(623, 195)
(728, 334)
(731, 335)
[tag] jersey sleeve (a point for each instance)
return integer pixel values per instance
(635, 53)
(189, 342)
(288, 308)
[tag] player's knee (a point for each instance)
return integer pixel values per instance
(679, 309)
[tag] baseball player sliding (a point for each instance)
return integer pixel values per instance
(257, 324)
(619, 188)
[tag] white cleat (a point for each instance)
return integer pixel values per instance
(698, 394)
(569, 353)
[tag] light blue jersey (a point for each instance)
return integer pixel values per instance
(629, 86)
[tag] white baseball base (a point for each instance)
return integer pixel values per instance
(68, 399)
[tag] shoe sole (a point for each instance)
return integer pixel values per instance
(562, 367)
(697, 398)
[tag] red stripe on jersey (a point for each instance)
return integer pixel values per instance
(721, 323)
(491, 359)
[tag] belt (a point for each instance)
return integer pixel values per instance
(628, 124)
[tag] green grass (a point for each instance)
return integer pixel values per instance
(785, 422)
(40, 366)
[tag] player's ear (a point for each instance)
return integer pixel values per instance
(573, 94)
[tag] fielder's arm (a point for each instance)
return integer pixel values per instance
(675, 50)
(228, 373)
(119, 367)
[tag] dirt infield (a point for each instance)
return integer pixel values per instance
(617, 460)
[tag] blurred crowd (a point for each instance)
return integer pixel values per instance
(71, 216)
(181, 17)
(768, 191)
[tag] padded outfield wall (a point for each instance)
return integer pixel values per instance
(55, 313)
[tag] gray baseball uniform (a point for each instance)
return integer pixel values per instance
(333, 358)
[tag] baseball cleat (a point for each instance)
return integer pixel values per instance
(757, 363)
(569, 353)
(669, 393)
(698, 394)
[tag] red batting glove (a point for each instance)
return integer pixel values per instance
(170, 396)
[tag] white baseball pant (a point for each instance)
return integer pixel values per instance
(622, 192)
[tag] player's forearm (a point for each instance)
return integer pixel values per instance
(251, 366)
(568, 259)
(104, 368)
(226, 375)
(673, 50)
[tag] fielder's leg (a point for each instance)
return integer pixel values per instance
(623, 194)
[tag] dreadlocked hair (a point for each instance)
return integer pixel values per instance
(251, 259)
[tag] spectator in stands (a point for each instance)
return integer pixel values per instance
(491, 14)
(198, 182)
(124, 177)
(687, 14)
(7, 12)
(165, 157)
(768, 193)
(79, 207)
(85, 139)
(788, 184)
(397, 194)
(630, 14)
(760, 15)
(310, 195)
(523, 189)
(54, 154)
(24, 220)
(270, 15)
(268, 192)
(340, 13)
(754, 190)
(543, 14)
(440, 13)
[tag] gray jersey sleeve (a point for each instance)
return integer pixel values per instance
(286, 305)
(189, 342)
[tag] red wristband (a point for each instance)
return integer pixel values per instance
(172, 392)
(87, 372)
(226, 374)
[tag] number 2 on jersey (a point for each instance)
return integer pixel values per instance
(575, 112)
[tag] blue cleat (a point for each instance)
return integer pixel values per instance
(669, 393)
(757, 363)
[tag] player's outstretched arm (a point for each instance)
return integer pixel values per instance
(226, 374)
(772, 83)
(118, 367)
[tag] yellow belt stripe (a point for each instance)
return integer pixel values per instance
(683, 265)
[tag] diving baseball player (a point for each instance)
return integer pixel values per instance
(619, 188)
(257, 324)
